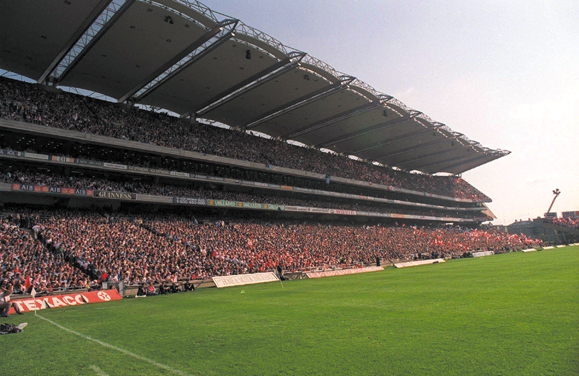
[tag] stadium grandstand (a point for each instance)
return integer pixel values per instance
(162, 141)
(550, 229)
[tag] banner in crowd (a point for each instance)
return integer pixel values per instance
(333, 273)
(342, 211)
(56, 301)
(35, 156)
(274, 207)
(222, 203)
(115, 195)
(251, 205)
(189, 201)
(46, 189)
(62, 159)
(244, 279)
(13, 153)
(89, 162)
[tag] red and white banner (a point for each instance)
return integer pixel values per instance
(56, 301)
(332, 273)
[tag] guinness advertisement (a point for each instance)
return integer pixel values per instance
(115, 195)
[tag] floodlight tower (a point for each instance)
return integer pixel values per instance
(556, 192)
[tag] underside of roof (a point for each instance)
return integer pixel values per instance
(181, 56)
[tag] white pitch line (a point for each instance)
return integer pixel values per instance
(113, 307)
(170, 369)
(98, 371)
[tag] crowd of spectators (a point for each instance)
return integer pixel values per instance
(66, 249)
(565, 222)
(10, 175)
(22, 256)
(35, 104)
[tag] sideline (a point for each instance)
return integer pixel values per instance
(167, 368)
(98, 371)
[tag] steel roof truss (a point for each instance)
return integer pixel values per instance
(302, 101)
(332, 120)
(460, 162)
(363, 132)
(461, 167)
(82, 29)
(414, 148)
(429, 155)
(192, 53)
(393, 140)
(252, 82)
(445, 161)
(106, 20)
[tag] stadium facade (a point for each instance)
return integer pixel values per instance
(210, 68)
(274, 161)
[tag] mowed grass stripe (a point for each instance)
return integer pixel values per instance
(511, 314)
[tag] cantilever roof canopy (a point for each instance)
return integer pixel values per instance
(181, 56)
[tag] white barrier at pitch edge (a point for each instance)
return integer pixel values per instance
(529, 250)
(418, 263)
(481, 254)
(244, 279)
(333, 273)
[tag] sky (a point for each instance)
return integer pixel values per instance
(503, 73)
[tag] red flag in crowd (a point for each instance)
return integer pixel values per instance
(27, 284)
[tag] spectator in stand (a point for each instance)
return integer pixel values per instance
(31, 103)
(565, 222)
(151, 290)
(21, 255)
(94, 183)
(167, 248)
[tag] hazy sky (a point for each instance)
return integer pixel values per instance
(504, 73)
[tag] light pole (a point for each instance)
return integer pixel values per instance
(556, 192)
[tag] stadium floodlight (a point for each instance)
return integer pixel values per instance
(556, 192)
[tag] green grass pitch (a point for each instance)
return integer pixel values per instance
(510, 314)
